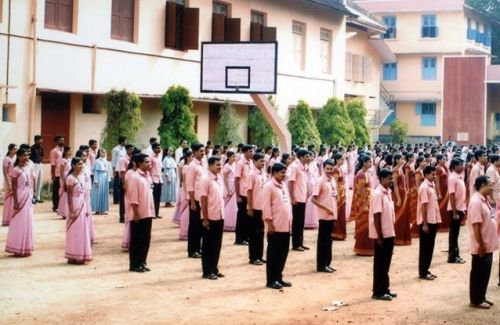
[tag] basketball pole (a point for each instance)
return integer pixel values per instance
(267, 109)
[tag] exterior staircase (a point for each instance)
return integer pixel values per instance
(375, 118)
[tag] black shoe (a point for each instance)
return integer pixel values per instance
(158, 217)
(457, 260)
(305, 247)
(298, 249)
(147, 269)
(241, 242)
(325, 269)
(427, 277)
(137, 269)
(194, 255)
(256, 262)
(263, 260)
(392, 294)
(488, 302)
(220, 275)
(275, 285)
(285, 283)
(210, 277)
(384, 297)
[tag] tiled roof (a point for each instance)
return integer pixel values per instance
(336, 5)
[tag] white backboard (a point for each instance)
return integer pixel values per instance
(244, 67)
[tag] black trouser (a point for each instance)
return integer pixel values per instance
(324, 244)
(211, 245)
(241, 230)
(55, 193)
(140, 238)
(426, 248)
(381, 264)
(117, 188)
(479, 277)
(299, 215)
(255, 236)
(194, 230)
(121, 209)
(277, 252)
(453, 250)
(157, 197)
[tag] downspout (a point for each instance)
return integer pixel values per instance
(7, 74)
(32, 106)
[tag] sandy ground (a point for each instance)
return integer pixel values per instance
(44, 289)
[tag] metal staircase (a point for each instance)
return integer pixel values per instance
(375, 118)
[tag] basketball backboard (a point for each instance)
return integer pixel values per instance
(243, 67)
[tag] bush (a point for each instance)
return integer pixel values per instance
(177, 122)
(334, 124)
(357, 113)
(399, 131)
(228, 127)
(123, 117)
(301, 125)
(260, 132)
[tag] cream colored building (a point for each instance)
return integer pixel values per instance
(421, 33)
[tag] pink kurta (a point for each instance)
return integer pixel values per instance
(230, 203)
(311, 217)
(78, 232)
(21, 236)
(62, 208)
(8, 201)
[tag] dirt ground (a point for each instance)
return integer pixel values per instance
(44, 289)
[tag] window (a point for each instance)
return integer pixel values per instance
(497, 121)
(429, 28)
(392, 116)
(348, 66)
(471, 33)
(8, 112)
(478, 32)
(427, 112)
(298, 30)
(257, 17)
(429, 68)
(390, 21)
(122, 20)
(487, 36)
(326, 50)
(220, 8)
(90, 105)
(59, 15)
(390, 71)
(181, 26)
(224, 28)
(258, 29)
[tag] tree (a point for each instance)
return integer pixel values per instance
(399, 131)
(301, 125)
(260, 132)
(334, 124)
(228, 127)
(123, 117)
(177, 122)
(357, 113)
(491, 9)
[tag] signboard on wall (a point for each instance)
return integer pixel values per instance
(463, 136)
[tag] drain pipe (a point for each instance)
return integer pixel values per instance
(32, 106)
(7, 74)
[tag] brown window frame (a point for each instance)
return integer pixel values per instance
(181, 26)
(224, 27)
(58, 23)
(122, 17)
(261, 32)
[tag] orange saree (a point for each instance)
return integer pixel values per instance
(339, 231)
(359, 212)
(402, 225)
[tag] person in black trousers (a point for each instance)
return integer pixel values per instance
(297, 185)
(122, 168)
(156, 163)
(212, 208)
(118, 153)
(194, 175)
(256, 180)
(240, 181)
(456, 209)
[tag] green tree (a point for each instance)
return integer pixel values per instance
(357, 113)
(334, 124)
(491, 9)
(123, 117)
(301, 125)
(260, 132)
(228, 127)
(399, 131)
(178, 120)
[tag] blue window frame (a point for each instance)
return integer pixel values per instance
(427, 112)
(478, 33)
(497, 121)
(487, 36)
(392, 117)
(429, 27)
(390, 71)
(390, 21)
(471, 32)
(429, 68)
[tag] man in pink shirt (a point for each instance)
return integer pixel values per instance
(381, 220)
(483, 239)
(324, 198)
(122, 167)
(55, 155)
(240, 180)
(456, 209)
(142, 207)
(212, 211)
(478, 169)
(277, 214)
(194, 176)
(155, 169)
(297, 185)
(428, 218)
(256, 180)
(92, 153)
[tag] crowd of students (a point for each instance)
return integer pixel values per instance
(398, 193)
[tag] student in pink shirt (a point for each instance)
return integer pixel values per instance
(155, 169)
(297, 185)
(324, 197)
(456, 209)
(381, 219)
(142, 207)
(478, 169)
(428, 218)
(194, 176)
(483, 239)
(256, 180)
(55, 155)
(122, 167)
(240, 181)
(92, 153)
(212, 211)
(277, 214)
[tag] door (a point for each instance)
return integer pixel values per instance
(55, 119)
